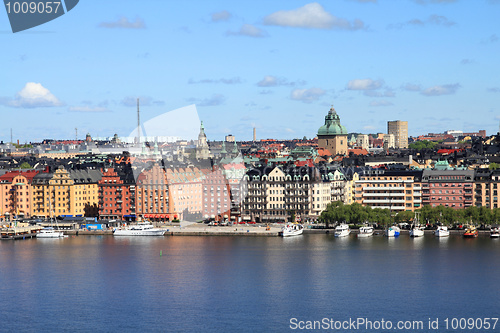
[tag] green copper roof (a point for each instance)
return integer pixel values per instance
(332, 125)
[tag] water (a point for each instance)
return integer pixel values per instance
(243, 284)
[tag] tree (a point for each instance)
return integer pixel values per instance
(25, 165)
(91, 210)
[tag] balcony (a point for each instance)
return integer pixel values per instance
(388, 201)
(384, 194)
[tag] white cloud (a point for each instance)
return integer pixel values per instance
(364, 84)
(249, 31)
(311, 16)
(431, 20)
(33, 95)
(369, 128)
(445, 89)
(494, 90)
(374, 93)
(411, 87)
(467, 61)
(87, 109)
(131, 101)
(223, 15)
(380, 103)
(124, 23)
(273, 81)
(216, 99)
(234, 80)
(307, 95)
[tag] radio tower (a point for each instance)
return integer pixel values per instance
(138, 124)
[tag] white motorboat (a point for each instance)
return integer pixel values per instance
(495, 233)
(393, 231)
(139, 229)
(292, 229)
(442, 231)
(365, 232)
(417, 231)
(342, 230)
(50, 232)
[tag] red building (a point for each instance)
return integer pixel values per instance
(450, 188)
(116, 196)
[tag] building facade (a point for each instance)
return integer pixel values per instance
(394, 190)
(116, 196)
(152, 195)
(16, 195)
(399, 129)
(450, 188)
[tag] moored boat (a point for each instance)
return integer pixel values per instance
(50, 232)
(471, 232)
(417, 231)
(139, 229)
(365, 231)
(292, 229)
(342, 230)
(442, 231)
(495, 233)
(393, 231)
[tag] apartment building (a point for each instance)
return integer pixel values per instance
(486, 188)
(116, 195)
(186, 193)
(281, 193)
(16, 195)
(450, 188)
(390, 189)
(152, 194)
(65, 193)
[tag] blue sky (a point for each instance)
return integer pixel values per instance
(273, 65)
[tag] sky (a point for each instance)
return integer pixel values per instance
(276, 65)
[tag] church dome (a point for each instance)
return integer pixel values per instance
(332, 125)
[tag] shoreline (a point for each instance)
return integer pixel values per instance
(196, 229)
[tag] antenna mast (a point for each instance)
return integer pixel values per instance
(138, 124)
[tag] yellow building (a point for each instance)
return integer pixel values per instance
(394, 190)
(64, 192)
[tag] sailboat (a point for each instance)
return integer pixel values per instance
(50, 232)
(417, 230)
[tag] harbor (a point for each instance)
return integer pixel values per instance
(201, 229)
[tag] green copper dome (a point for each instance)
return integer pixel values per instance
(332, 125)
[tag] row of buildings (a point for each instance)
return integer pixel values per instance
(152, 192)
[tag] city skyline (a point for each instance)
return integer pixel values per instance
(276, 66)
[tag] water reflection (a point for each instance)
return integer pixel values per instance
(241, 283)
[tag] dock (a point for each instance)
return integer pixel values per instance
(16, 233)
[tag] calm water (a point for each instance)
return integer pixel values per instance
(242, 284)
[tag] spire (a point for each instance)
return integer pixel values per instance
(235, 148)
(223, 150)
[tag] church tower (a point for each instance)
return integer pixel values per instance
(332, 136)
(202, 151)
